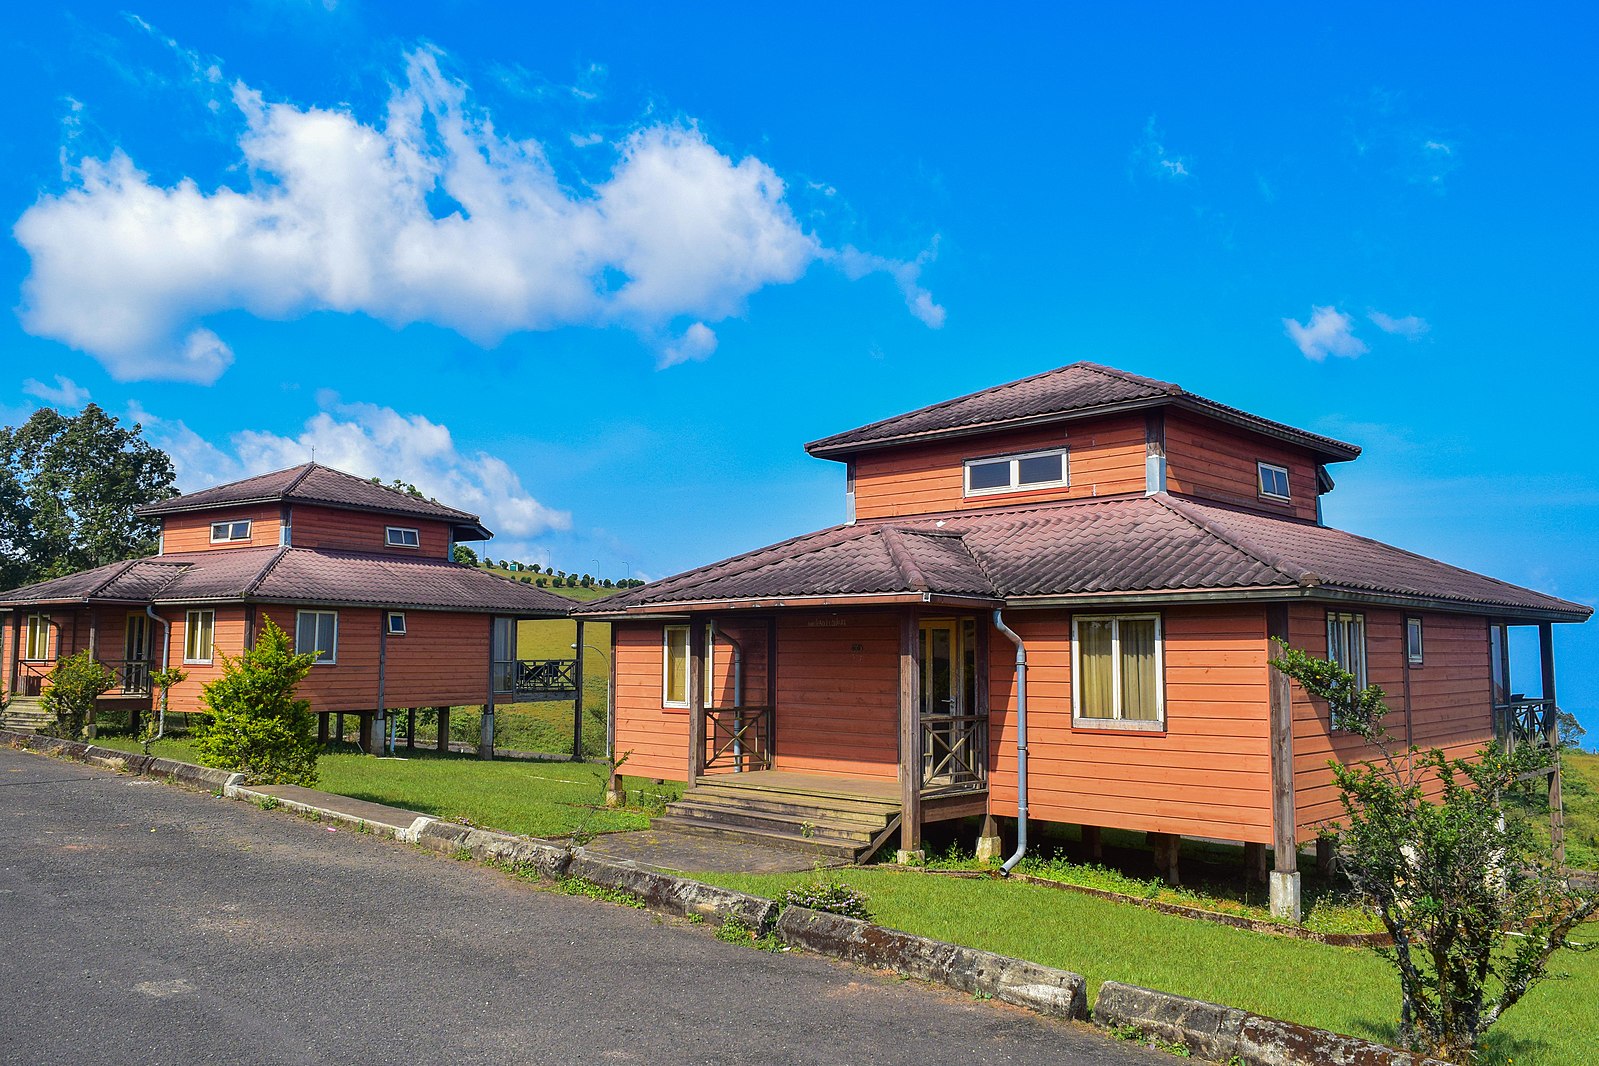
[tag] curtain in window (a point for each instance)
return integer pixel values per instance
(1097, 684)
(198, 639)
(677, 664)
(1137, 638)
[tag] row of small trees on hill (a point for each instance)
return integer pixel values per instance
(542, 576)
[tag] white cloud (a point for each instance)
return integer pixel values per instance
(1329, 332)
(857, 264)
(339, 215)
(1156, 158)
(1412, 327)
(64, 393)
(696, 345)
(369, 441)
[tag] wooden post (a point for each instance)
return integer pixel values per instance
(910, 736)
(771, 690)
(322, 728)
(696, 698)
(485, 729)
(1285, 895)
(442, 741)
(1324, 856)
(1166, 849)
(577, 701)
(338, 726)
(94, 653)
(410, 729)
(1256, 865)
(367, 734)
(1551, 733)
(1092, 843)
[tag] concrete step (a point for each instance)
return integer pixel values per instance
(25, 713)
(792, 841)
(804, 828)
(791, 807)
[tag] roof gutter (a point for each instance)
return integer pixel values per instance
(873, 599)
(1021, 744)
(1280, 593)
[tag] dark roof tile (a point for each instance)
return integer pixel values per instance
(310, 483)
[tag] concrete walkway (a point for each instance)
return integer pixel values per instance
(677, 851)
(375, 815)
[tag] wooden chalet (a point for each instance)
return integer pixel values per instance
(1139, 547)
(359, 574)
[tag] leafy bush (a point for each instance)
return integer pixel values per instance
(828, 893)
(76, 683)
(257, 727)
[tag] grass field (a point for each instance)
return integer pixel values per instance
(1348, 990)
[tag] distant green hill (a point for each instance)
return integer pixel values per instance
(571, 592)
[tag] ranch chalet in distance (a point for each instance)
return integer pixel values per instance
(360, 574)
(1142, 546)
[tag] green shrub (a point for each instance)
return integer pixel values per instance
(828, 893)
(257, 727)
(74, 685)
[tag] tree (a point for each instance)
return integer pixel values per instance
(75, 683)
(257, 727)
(1474, 907)
(68, 487)
(464, 555)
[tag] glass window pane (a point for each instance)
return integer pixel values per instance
(994, 475)
(1096, 686)
(677, 664)
(1140, 702)
(327, 636)
(304, 633)
(1039, 469)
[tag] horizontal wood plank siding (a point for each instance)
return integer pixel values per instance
(441, 661)
(838, 694)
(227, 639)
(192, 532)
(1105, 458)
(654, 737)
(1216, 462)
(332, 527)
(351, 682)
(1208, 775)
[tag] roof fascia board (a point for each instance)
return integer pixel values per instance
(1318, 594)
(796, 602)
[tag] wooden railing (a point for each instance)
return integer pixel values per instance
(133, 676)
(130, 677)
(30, 677)
(1521, 722)
(738, 738)
(535, 677)
(954, 750)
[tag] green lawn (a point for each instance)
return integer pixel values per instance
(1348, 990)
(539, 799)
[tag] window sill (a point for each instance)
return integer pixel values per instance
(1114, 725)
(1278, 501)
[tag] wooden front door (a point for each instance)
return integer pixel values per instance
(136, 654)
(954, 735)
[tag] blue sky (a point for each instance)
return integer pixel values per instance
(598, 271)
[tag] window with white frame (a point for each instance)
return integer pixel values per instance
(317, 633)
(1118, 676)
(199, 636)
(1413, 640)
(1016, 473)
(396, 623)
(1346, 646)
(1273, 481)
(674, 667)
(228, 532)
(401, 537)
(36, 637)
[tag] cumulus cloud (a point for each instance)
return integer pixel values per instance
(64, 393)
(696, 345)
(1328, 332)
(1411, 327)
(370, 441)
(431, 215)
(907, 276)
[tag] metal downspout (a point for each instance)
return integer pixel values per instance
(166, 651)
(1021, 744)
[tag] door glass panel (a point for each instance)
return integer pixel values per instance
(938, 669)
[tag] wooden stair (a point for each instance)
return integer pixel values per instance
(26, 715)
(802, 815)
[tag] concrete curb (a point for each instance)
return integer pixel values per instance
(449, 838)
(1226, 1034)
(1025, 984)
(236, 789)
(677, 895)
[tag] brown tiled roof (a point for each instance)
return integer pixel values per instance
(295, 575)
(1100, 550)
(1073, 391)
(310, 483)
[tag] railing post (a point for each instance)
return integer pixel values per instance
(696, 698)
(1551, 733)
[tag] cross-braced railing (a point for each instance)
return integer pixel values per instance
(1521, 722)
(532, 677)
(954, 750)
(738, 738)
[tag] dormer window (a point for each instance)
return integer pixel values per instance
(228, 532)
(400, 537)
(1273, 481)
(1016, 473)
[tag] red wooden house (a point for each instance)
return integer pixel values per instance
(1141, 546)
(359, 574)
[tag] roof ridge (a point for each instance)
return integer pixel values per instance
(903, 563)
(266, 571)
(117, 570)
(1302, 578)
(305, 472)
(1169, 387)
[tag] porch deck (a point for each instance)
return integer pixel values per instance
(807, 785)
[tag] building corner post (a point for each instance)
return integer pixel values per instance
(1285, 887)
(1551, 732)
(910, 738)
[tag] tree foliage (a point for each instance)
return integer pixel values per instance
(74, 684)
(68, 487)
(464, 555)
(1474, 908)
(257, 726)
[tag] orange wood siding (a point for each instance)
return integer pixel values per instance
(350, 683)
(331, 527)
(1105, 458)
(192, 532)
(228, 639)
(838, 694)
(1208, 775)
(1451, 699)
(1216, 462)
(441, 661)
(655, 738)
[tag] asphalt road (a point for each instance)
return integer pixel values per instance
(144, 923)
